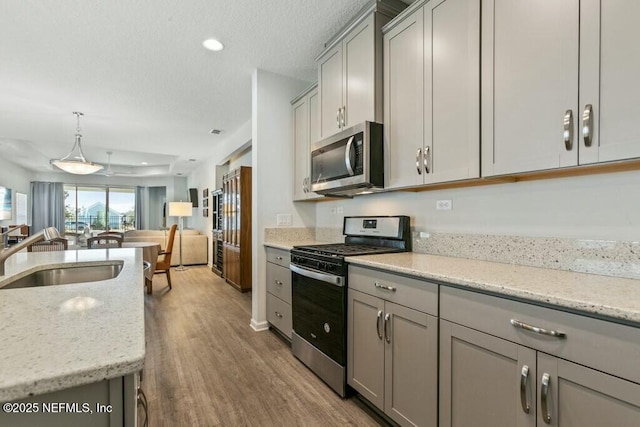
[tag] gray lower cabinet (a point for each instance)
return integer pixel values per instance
(392, 349)
(108, 403)
(494, 373)
(279, 291)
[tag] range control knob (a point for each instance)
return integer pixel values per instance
(322, 265)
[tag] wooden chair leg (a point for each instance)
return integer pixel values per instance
(169, 277)
(149, 285)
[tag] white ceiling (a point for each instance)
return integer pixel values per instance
(137, 70)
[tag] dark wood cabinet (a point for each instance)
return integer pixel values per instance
(236, 232)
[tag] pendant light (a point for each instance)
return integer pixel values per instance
(75, 162)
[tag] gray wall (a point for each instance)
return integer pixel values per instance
(605, 206)
(18, 180)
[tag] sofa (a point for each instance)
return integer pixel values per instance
(195, 245)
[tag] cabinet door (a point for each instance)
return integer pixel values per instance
(581, 397)
(365, 359)
(314, 136)
(358, 50)
(411, 366)
(452, 90)
(301, 148)
(609, 70)
(481, 380)
(330, 89)
(403, 106)
(529, 82)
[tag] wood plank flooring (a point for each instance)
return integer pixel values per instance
(206, 367)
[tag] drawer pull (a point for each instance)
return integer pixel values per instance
(278, 282)
(524, 377)
(278, 315)
(279, 258)
(385, 287)
(378, 320)
(544, 396)
(387, 319)
(537, 330)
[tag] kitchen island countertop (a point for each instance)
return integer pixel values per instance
(601, 296)
(57, 337)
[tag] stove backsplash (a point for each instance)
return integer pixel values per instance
(604, 257)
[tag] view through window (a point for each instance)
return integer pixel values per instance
(99, 209)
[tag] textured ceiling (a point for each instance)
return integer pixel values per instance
(139, 73)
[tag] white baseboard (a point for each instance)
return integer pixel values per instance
(259, 326)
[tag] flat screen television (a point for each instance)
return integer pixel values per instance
(5, 203)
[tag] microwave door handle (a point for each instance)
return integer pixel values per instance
(347, 157)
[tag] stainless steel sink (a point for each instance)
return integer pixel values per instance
(65, 276)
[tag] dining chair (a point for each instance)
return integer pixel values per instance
(164, 265)
(104, 241)
(112, 233)
(57, 244)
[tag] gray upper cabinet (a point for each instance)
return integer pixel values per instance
(350, 71)
(609, 70)
(431, 86)
(558, 85)
(305, 132)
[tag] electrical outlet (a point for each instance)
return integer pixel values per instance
(339, 210)
(283, 219)
(444, 205)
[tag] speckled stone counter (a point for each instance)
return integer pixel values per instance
(612, 297)
(57, 337)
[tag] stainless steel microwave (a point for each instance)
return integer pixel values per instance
(350, 162)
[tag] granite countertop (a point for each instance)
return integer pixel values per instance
(57, 337)
(288, 245)
(611, 297)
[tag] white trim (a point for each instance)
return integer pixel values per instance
(259, 326)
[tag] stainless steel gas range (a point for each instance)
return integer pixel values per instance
(319, 292)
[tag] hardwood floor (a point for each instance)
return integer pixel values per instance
(206, 367)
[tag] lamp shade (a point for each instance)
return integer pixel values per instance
(180, 209)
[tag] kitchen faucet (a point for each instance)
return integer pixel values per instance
(47, 234)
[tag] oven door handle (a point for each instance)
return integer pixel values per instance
(328, 278)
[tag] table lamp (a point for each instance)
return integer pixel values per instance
(180, 209)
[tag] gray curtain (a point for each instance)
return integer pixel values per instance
(47, 206)
(139, 208)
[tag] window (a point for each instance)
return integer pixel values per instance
(99, 208)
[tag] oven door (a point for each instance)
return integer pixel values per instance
(318, 305)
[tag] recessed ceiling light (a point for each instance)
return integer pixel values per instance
(215, 131)
(179, 174)
(192, 160)
(144, 163)
(213, 44)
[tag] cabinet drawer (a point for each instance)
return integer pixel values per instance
(279, 314)
(606, 346)
(278, 256)
(412, 293)
(279, 282)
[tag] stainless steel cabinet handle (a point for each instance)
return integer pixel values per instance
(385, 287)
(347, 157)
(278, 282)
(387, 319)
(426, 159)
(378, 320)
(279, 258)
(304, 185)
(278, 315)
(587, 125)
(549, 332)
(544, 396)
(418, 155)
(524, 377)
(142, 401)
(338, 118)
(568, 130)
(344, 116)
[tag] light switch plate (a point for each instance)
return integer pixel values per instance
(283, 219)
